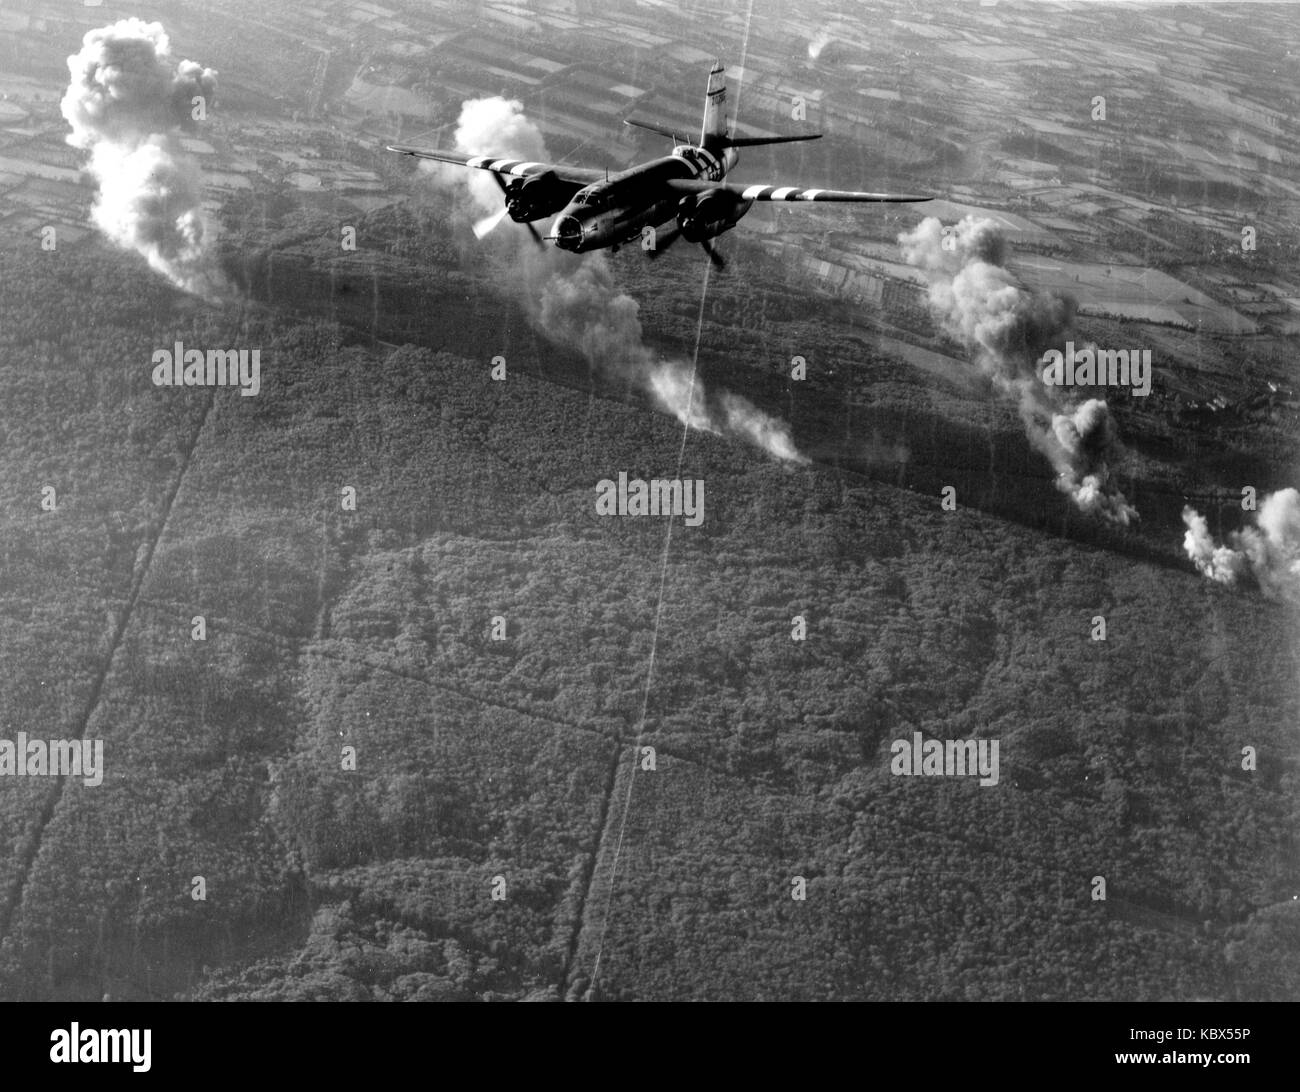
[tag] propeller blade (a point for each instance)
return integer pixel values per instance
(533, 232)
(488, 223)
(719, 262)
(499, 181)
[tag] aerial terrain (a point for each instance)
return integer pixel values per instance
(390, 710)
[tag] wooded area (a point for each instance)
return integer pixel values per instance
(329, 628)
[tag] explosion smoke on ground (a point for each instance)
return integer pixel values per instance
(1269, 551)
(127, 105)
(573, 298)
(1008, 329)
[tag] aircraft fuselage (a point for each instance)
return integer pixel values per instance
(615, 211)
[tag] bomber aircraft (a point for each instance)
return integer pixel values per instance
(598, 209)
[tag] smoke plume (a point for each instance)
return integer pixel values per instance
(1007, 329)
(573, 299)
(1269, 551)
(817, 43)
(127, 105)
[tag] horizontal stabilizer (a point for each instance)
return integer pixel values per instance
(662, 130)
(725, 142)
(753, 142)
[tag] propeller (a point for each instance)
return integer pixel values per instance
(719, 262)
(488, 223)
(505, 190)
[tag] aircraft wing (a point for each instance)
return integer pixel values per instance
(517, 168)
(785, 193)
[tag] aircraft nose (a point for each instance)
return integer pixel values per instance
(568, 233)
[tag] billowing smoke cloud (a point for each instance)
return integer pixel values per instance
(127, 104)
(1007, 330)
(1268, 551)
(573, 298)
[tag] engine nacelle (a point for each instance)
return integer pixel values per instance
(536, 196)
(702, 216)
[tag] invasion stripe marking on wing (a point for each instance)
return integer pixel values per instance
(523, 168)
(753, 193)
(478, 160)
(808, 195)
(503, 165)
(782, 193)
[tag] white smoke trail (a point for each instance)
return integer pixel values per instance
(681, 395)
(1268, 551)
(1007, 329)
(742, 417)
(573, 298)
(127, 104)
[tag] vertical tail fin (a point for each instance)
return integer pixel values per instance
(714, 133)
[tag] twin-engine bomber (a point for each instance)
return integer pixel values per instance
(598, 210)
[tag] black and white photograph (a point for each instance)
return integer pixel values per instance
(649, 501)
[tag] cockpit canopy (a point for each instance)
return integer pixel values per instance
(595, 197)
